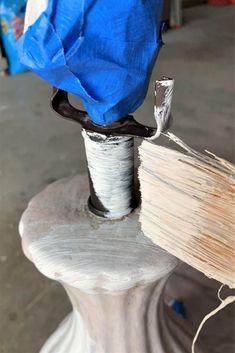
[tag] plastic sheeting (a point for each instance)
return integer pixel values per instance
(102, 51)
(11, 28)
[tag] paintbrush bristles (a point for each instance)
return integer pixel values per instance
(188, 207)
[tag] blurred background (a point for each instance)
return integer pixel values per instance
(37, 148)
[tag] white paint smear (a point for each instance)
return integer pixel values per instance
(110, 162)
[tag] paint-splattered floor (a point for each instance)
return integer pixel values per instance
(37, 148)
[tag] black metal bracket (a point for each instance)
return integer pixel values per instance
(126, 126)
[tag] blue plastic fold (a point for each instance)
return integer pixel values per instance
(102, 51)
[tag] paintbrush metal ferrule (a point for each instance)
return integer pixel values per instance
(162, 105)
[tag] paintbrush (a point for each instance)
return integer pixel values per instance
(188, 207)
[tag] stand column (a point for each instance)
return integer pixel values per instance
(114, 276)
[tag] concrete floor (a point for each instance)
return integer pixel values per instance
(37, 148)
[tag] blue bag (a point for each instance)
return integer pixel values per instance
(102, 51)
(12, 20)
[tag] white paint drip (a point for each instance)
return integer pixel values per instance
(162, 112)
(110, 163)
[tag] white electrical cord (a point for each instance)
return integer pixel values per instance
(224, 302)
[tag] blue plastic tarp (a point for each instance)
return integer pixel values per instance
(11, 28)
(102, 51)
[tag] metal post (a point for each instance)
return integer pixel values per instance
(110, 162)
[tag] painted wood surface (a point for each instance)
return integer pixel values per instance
(69, 244)
(134, 321)
(113, 275)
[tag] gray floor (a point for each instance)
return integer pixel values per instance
(37, 148)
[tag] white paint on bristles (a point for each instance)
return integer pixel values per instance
(110, 161)
(162, 111)
(188, 207)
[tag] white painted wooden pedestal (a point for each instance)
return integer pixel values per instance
(114, 276)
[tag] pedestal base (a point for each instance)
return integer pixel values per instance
(113, 275)
(136, 322)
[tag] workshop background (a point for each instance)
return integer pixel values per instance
(37, 148)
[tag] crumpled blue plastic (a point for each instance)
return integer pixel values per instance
(102, 51)
(10, 10)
